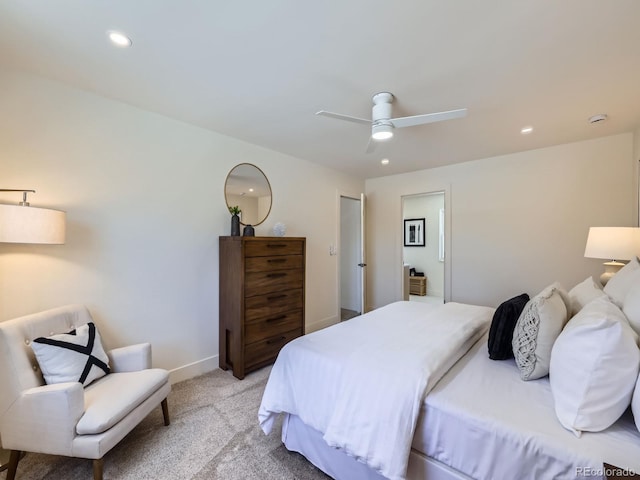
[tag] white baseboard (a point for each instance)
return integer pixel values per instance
(194, 369)
(320, 324)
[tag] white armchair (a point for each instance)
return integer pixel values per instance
(65, 418)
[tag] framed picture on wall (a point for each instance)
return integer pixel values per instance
(414, 232)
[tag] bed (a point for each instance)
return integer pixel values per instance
(470, 418)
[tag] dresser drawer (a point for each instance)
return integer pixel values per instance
(276, 262)
(259, 283)
(274, 247)
(272, 304)
(272, 325)
(267, 350)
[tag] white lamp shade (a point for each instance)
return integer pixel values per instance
(613, 243)
(22, 224)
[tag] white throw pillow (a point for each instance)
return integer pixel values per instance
(537, 328)
(76, 356)
(635, 404)
(594, 367)
(584, 293)
(619, 285)
(631, 307)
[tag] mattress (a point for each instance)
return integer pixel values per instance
(482, 420)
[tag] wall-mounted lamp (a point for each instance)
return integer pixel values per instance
(23, 223)
(612, 243)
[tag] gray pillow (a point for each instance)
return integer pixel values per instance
(537, 328)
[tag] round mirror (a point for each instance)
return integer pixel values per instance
(248, 188)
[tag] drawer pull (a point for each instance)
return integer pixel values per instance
(276, 245)
(276, 297)
(276, 275)
(275, 340)
(277, 260)
(275, 319)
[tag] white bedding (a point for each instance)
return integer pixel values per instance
(332, 379)
(485, 422)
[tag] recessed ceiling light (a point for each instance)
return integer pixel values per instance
(119, 39)
(384, 161)
(251, 189)
(526, 130)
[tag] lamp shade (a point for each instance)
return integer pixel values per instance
(24, 224)
(613, 243)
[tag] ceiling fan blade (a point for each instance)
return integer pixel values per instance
(371, 146)
(340, 116)
(428, 118)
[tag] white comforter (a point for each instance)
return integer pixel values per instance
(362, 382)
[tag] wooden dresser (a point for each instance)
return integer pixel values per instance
(261, 299)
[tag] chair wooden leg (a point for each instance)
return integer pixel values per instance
(13, 464)
(165, 412)
(98, 467)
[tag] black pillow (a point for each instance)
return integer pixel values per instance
(502, 326)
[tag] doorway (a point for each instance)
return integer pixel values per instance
(424, 260)
(352, 262)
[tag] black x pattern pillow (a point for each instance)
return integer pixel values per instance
(77, 356)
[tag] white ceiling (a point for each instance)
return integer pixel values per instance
(258, 70)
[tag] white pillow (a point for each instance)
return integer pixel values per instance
(631, 307)
(537, 328)
(584, 293)
(618, 285)
(76, 356)
(635, 404)
(594, 367)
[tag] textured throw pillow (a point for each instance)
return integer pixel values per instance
(584, 293)
(635, 404)
(76, 356)
(537, 328)
(631, 307)
(594, 368)
(502, 325)
(619, 285)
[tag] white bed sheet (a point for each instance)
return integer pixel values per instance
(484, 421)
(331, 378)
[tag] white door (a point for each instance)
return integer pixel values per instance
(352, 258)
(363, 255)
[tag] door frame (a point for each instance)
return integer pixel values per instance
(447, 238)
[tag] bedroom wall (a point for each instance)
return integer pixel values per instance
(145, 206)
(518, 222)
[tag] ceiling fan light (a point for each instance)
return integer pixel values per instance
(382, 132)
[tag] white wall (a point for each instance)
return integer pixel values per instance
(144, 196)
(425, 259)
(518, 222)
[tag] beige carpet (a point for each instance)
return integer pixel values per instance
(214, 434)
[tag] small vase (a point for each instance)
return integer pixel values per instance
(248, 231)
(235, 226)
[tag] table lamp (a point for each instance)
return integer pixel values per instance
(614, 244)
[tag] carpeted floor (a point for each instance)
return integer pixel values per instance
(214, 434)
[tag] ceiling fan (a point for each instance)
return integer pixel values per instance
(382, 124)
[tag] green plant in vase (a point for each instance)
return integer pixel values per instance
(235, 220)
